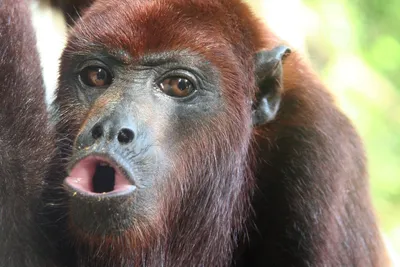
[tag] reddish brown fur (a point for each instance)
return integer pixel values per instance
(303, 174)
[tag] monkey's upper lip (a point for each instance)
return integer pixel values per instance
(97, 175)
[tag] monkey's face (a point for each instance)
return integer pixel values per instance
(145, 134)
(154, 132)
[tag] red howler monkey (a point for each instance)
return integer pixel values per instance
(190, 135)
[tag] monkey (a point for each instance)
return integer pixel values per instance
(198, 138)
(188, 134)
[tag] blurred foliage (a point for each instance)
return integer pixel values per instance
(378, 34)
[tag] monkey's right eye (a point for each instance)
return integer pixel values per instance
(94, 76)
(176, 86)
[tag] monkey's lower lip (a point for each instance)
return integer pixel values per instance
(94, 176)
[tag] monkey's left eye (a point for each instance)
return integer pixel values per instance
(176, 86)
(95, 76)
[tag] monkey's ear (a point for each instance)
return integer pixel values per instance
(269, 74)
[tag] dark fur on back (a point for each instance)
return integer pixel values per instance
(26, 143)
(312, 206)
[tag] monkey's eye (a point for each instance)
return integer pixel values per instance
(176, 86)
(95, 76)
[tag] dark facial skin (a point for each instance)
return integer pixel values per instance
(140, 115)
(138, 128)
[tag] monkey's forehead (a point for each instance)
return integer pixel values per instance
(212, 28)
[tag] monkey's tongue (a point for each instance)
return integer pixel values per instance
(97, 176)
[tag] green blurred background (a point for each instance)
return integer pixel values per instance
(355, 46)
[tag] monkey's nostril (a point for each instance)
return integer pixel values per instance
(97, 132)
(125, 136)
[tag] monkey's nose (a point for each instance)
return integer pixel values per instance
(116, 130)
(124, 135)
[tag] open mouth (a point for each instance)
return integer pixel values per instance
(97, 175)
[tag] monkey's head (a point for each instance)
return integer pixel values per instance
(158, 101)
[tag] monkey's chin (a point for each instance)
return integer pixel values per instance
(94, 176)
